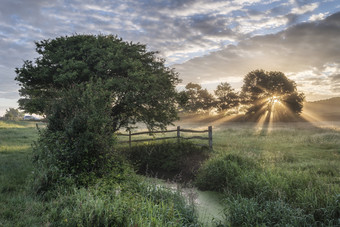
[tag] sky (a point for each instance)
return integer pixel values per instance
(206, 42)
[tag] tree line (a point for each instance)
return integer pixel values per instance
(261, 91)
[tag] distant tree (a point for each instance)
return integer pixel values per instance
(198, 99)
(182, 100)
(142, 88)
(13, 114)
(191, 92)
(227, 98)
(206, 100)
(262, 91)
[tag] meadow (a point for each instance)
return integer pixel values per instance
(268, 175)
(120, 199)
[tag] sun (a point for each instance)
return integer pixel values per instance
(275, 99)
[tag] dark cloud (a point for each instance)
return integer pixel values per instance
(336, 88)
(336, 78)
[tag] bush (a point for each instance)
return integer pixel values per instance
(225, 172)
(166, 157)
(78, 143)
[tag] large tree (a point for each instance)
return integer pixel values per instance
(267, 91)
(88, 87)
(142, 88)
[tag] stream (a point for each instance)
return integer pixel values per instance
(207, 203)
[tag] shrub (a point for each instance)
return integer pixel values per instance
(225, 172)
(78, 141)
(166, 157)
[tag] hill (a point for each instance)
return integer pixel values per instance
(326, 110)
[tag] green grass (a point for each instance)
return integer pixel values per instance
(286, 176)
(116, 200)
(17, 206)
(313, 149)
(293, 170)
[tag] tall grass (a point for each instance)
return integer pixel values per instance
(121, 198)
(284, 171)
(17, 206)
(285, 177)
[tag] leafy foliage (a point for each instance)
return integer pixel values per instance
(89, 87)
(198, 99)
(227, 98)
(142, 88)
(261, 89)
(78, 140)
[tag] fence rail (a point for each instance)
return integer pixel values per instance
(178, 137)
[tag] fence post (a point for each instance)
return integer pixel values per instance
(210, 137)
(130, 139)
(178, 133)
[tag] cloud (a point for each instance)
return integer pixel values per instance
(179, 29)
(305, 8)
(306, 52)
(316, 17)
(336, 78)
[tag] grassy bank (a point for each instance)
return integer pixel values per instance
(279, 176)
(119, 199)
(276, 176)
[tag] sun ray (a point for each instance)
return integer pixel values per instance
(317, 121)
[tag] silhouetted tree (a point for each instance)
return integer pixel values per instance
(198, 99)
(262, 91)
(227, 98)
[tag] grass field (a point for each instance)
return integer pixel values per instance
(17, 206)
(293, 166)
(118, 200)
(283, 169)
(291, 172)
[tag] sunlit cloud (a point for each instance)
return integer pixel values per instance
(179, 30)
(304, 52)
(316, 17)
(305, 8)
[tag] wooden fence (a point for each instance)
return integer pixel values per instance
(178, 136)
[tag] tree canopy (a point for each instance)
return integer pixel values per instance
(142, 89)
(262, 91)
(227, 98)
(198, 99)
